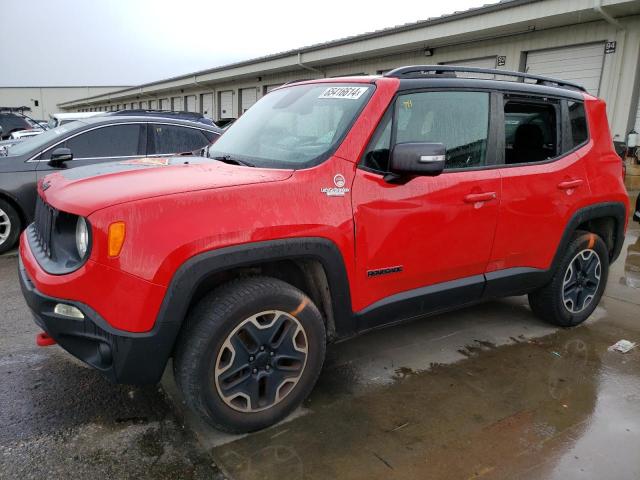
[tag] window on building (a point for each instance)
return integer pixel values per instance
(531, 131)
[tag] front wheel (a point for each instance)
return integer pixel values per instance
(577, 285)
(10, 226)
(250, 354)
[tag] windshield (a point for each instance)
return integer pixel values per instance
(293, 127)
(34, 143)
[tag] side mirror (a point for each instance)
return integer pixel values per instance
(59, 156)
(414, 159)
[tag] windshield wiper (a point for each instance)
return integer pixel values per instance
(233, 161)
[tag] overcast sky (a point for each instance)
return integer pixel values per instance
(127, 42)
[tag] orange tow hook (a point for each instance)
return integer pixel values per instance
(44, 340)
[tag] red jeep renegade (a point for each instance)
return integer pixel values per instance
(330, 208)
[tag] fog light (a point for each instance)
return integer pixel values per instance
(67, 311)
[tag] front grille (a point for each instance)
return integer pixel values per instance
(43, 223)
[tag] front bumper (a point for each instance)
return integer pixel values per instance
(123, 357)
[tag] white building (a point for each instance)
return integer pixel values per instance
(44, 101)
(592, 42)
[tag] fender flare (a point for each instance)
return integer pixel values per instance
(195, 270)
(615, 210)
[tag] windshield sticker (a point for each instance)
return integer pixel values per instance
(352, 93)
(156, 162)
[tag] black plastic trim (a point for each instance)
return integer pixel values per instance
(123, 357)
(615, 210)
(194, 271)
(421, 301)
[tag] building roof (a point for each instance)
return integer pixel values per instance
(565, 8)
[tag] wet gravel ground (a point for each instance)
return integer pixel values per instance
(60, 419)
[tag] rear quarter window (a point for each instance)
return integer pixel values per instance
(577, 124)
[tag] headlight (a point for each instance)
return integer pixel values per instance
(82, 237)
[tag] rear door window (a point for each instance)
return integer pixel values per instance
(531, 130)
(170, 139)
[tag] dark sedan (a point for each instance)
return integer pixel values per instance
(92, 140)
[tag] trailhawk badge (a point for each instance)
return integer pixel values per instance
(339, 190)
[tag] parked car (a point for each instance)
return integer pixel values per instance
(192, 116)
(11, 122)
(20, 134)
(331, 207)
(92, 140)
(57, 119)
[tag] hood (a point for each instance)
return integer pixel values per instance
(84, 190)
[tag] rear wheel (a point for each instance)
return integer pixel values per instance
(10, 226)
(577, 285)
(250, 354)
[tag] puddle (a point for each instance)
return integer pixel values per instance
(525, 409)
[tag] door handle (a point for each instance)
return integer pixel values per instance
(480, 197)
(569, 184)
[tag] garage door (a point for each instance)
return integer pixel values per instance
(268, 88)
(191, 103)
(248, 96)
(485, 62)
(226, 104)
(206, 105)
(176, 104)
(581, 64)
(153, 104)
(164, 104)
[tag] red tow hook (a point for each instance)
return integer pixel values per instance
(44, 340)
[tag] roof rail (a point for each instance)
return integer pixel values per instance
(419, 71)
(15, 109)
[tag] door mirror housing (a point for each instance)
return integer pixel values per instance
(415, 159)
(59, 156)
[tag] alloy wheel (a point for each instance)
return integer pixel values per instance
(581, 281)
(261, 361)
(5, 226)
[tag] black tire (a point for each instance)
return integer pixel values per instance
(552, 302)
(8, 213)
(215, 318)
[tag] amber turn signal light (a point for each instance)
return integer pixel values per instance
(116, 238)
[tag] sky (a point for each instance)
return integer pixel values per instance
(128, 42)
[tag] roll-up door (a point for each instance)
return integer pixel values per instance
(485, 62)
(191, 103)
(268, 88)
(248, 96)
(164, 104)
(176, 104)
(581, 64)
(226, 104)
(206, 105)
(153, 104)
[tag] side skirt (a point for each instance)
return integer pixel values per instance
(448, 296)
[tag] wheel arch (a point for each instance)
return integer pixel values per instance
(314, 265)
(16, 205)
(604, 219)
